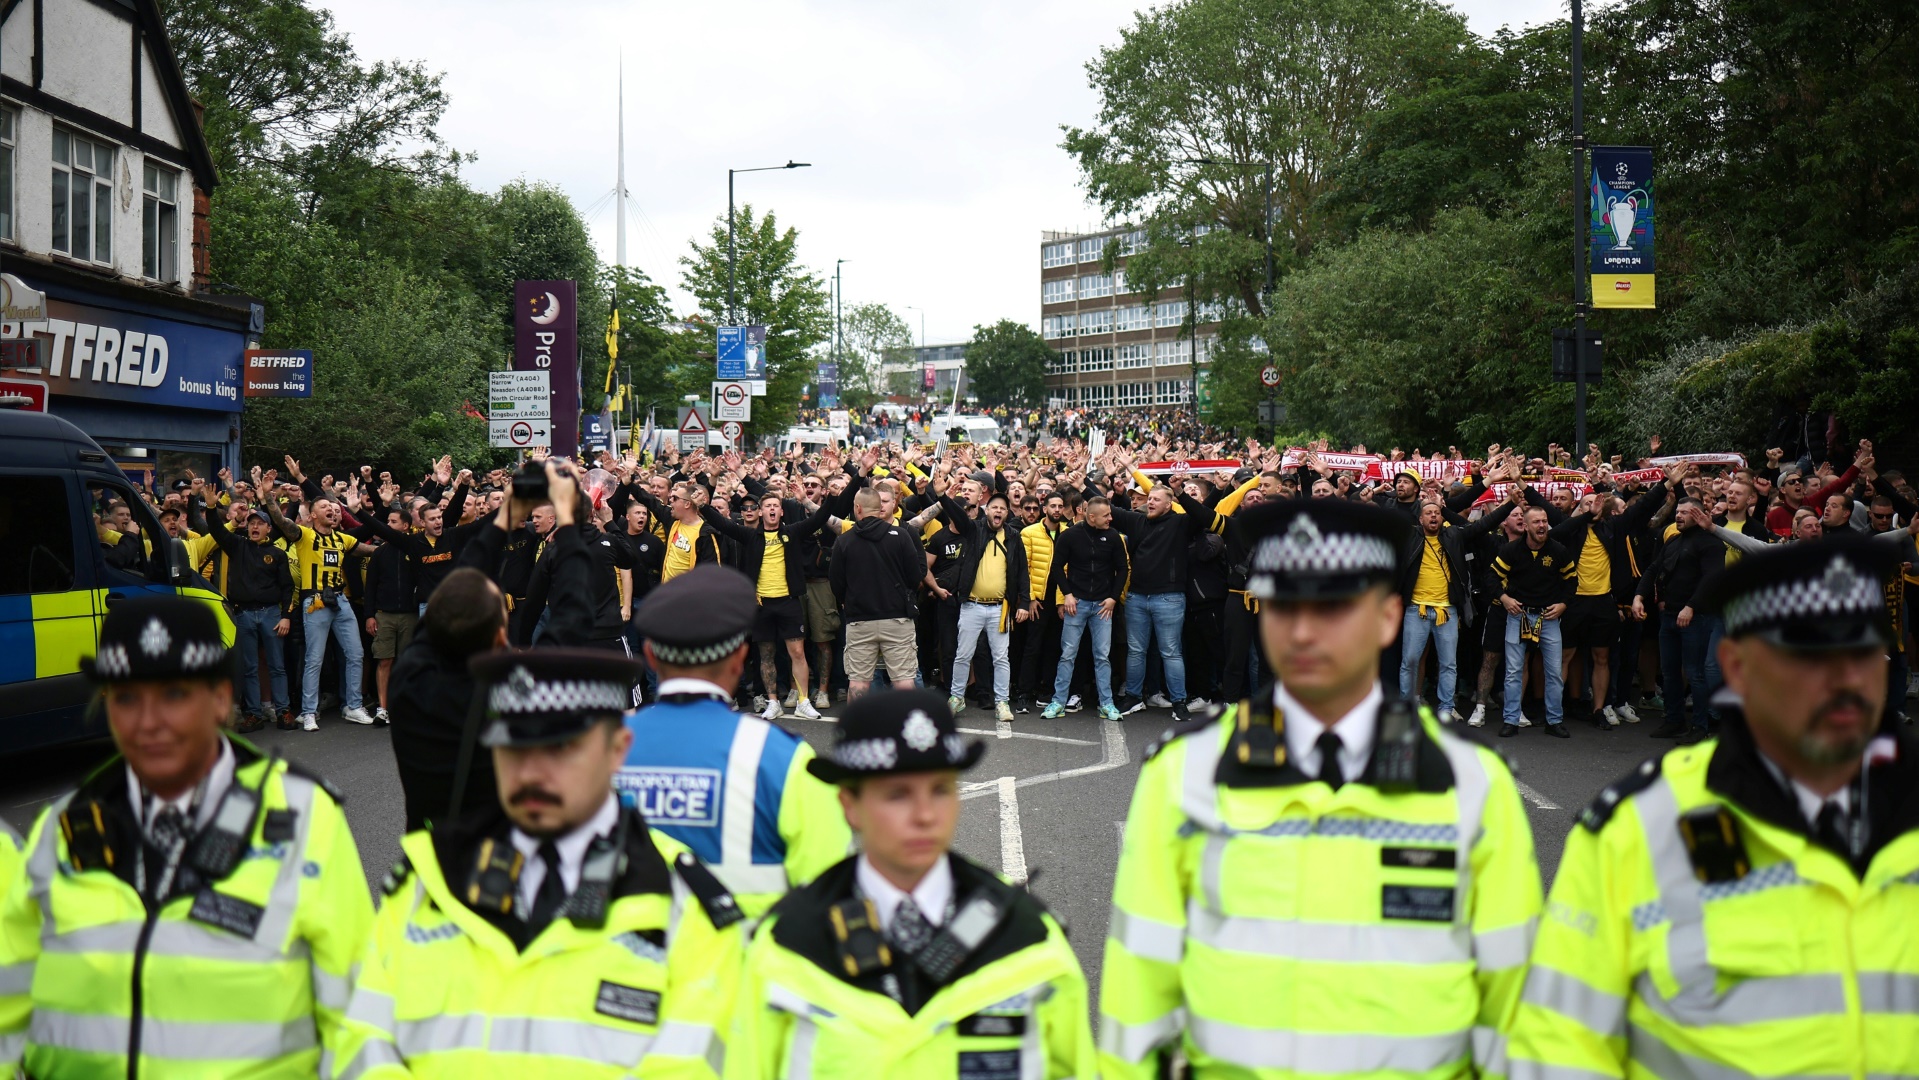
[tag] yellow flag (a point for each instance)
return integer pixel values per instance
(612, 347)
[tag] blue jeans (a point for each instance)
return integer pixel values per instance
(1071, 628)
(253, 633)
(1549, 658)
(345, 629)
(973, 619)
(1164, 616)
(1682, 662)
(1413, 633)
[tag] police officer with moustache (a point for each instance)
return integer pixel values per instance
(195, 907)
(1319, 880)
(908, 960)
(1746, 906)
(733, 788)
(550, 933)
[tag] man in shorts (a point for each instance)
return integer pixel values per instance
(876, 567)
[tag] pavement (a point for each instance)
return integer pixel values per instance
(1047, 803)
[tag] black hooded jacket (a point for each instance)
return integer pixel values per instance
(876, 567)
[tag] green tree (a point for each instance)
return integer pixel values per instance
(871, 336)
(1006, 364)
(1196, 87)
(772, 289)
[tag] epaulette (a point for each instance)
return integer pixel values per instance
(1600, 811)
(720, 907)
(1203, 720)
(396, 877)
(334, 793)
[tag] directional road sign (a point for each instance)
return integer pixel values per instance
(522, 394)
(732, 401)
(518, 433)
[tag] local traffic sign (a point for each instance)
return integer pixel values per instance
(1269, 376)
(731, 429)
(732, 401)
(519, 433)
(693, 428)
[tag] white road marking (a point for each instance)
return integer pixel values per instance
(1116, 757)
(1532, 795)
(1120, 828)
(1012, 849)
(1001, 731)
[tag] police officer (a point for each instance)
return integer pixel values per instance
(732, 788)
(549, 933)
(1319, 880)
(908, 960)
(1746, 906)
(194, 908)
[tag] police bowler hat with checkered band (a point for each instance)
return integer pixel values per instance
(545, 696)
(700, 617)
(1807, 596)
(1321, 549)
(158, 636)
(896, 731)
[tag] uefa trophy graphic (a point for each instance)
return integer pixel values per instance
(1620, 214)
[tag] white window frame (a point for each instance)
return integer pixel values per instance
(1056, 291)
(160, 241)
(1133, 317)
(1062, 254)
(1169, 313)
(1096, 321)
(97, 185)
(9, 171)
(1092, 249)
(1094, 286)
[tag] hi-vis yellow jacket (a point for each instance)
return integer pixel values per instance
(1015, 1008)
(1695, 930)
(443, 991)
(1274, 927)
(243, 977)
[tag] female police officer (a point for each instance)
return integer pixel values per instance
(907, 960)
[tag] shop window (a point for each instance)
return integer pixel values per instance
(36, 535)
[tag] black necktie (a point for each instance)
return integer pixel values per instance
(551, 894)
(911, 931)
(168, 828)
(1830, 830)
(1329, 770)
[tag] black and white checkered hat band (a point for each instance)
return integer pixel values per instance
(697, 655)
(1327, 555)
(1842, 593)
(519, 696)
(879, 755)
(112, 661)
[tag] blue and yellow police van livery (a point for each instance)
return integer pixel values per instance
(62, 564)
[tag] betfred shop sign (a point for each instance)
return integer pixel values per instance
(92, 352)
(279, 373)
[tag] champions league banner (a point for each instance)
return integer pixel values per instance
(1620, 241)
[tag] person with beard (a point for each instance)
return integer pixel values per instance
(992, 591)
(1744, 906)
(548, 931)
(1042, 628)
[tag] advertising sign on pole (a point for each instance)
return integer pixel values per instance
(740, 352)
(828, 377)
(546, 338)
(1620, 241)
(277, 373)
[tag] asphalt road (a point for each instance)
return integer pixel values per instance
(1047, 802)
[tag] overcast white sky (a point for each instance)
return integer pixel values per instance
(932, 128)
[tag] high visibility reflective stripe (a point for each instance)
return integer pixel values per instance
(276, 927)
(1778, 875)
(799, 1058)
(750, 879)
(1597, 1011)
(1470, 786)
(171, 938)
(566, 1038)
(16, 978)
(680, 1039)
(1678, 892)
(1645, 1049)
(1496, 950)
(1520, 1069)
(1344, 943)
(330, 991)
(1132, 1042)
(1212, 862)
(44, 861)
(12, 1047)
(440, 1034)
(1752, 1001)
(175, 1040)
(1306, 1051)
(373, 1054)
(1199, 798)
(372, 1008)
(1147, 938)
(1489, 1051)
(742, 787)
(1888, 992)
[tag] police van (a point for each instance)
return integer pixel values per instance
(75, 539)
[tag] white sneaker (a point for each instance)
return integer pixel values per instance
(1447, 716)
(1624, 712)
(356, 715)
(380, 716)
(1160, 701)
(1197, 704)
(1003, 713)
(1074, 704)
(1478, 718)
(805, 710)
(309, 722)
(771, 711)
(759, 704)
(1611, 715)
(1522, 721)
(821, 701)
(793, 698)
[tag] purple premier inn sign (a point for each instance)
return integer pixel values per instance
(546, 338)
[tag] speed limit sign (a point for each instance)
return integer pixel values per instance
(1269, 376)
(731, 429)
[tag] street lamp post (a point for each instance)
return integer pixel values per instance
(731, 315)
(1265, 294)
(1579, 232)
